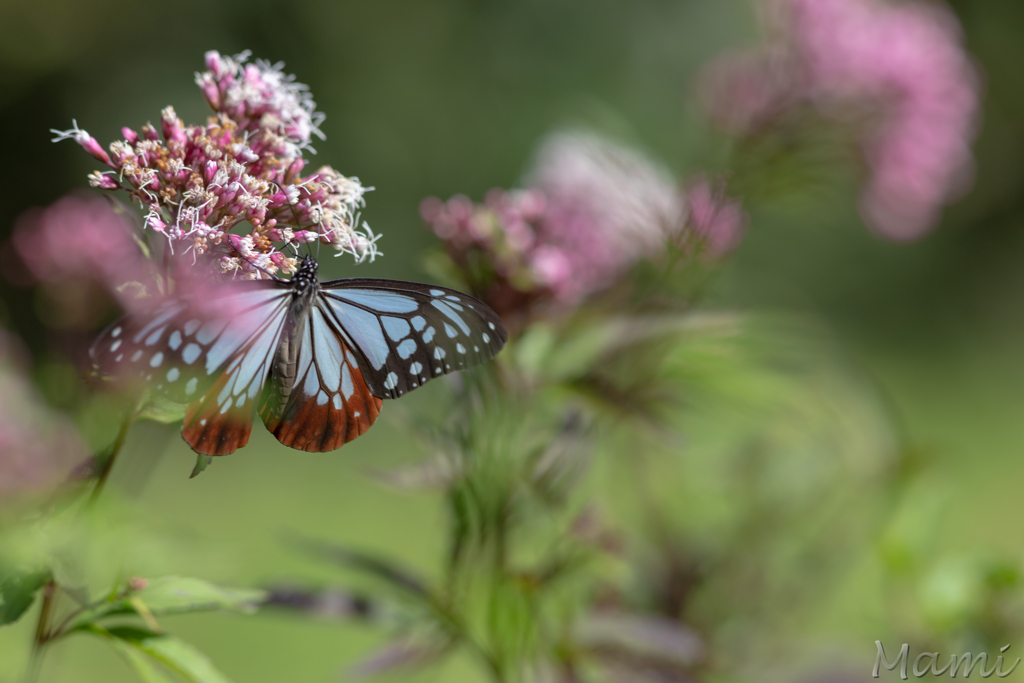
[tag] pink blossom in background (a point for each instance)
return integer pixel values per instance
(607, 206)
(38, 448)
(903, 62)
(591, 210)
(717, 222)
(243, 168)
(83, 239)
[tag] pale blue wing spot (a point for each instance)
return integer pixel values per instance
(190, 353)
(486, 337)
(154, 337)
(347, 386)
(305, 354)
(173, 374)
(396, 328)
(174, 341)
(454, 305)
(428, 336)
(365, 332)
(415, 368)
(329, 355)
(321, 399)
(255, 358)
(460, 348)
(191, 326)
(382, 302)
(209, 331)
(451, 314)
(392, 381)
(438, 292)
(225, 393)
(490, 325)
(450, 331)
(156, 360)
(115, 346)
(312, 383)
(240, 401)
(190, 388)
(437, 370)
(336, 400)
(136, 356)
(224, 408)
(255, 386)
(439, 353)
(115, 332)
(156, 322)
(406, 348)
(418, 322)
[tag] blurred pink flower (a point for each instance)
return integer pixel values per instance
(716, 222)
(607, 206)
(38, 448)
(83, 239)
(241, 169)
(904, 62)
(592, 209)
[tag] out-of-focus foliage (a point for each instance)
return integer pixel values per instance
(823, 453)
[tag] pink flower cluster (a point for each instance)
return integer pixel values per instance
(242, 169)
(902, 63)
(38, 449)
(83, 240)
(716, 222)
(591, 210)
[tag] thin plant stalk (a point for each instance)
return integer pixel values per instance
(42, 634)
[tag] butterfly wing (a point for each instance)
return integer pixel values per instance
(406, 333)
(213, 354)
(317, 400)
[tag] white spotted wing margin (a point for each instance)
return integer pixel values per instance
(406, 333)
(214, 354)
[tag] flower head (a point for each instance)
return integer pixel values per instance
(903, 63)
(83, 240)
(242, 169)
(716, 222)
(592, 208)
(607, 206)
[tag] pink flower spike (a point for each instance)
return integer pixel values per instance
(84, 240)
(130, 136)
(87, 141)
(717, 222)
(173, 128)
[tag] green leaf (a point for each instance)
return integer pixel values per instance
(177, 594)
(202, 462)
(371, 565)
(173, 595)
(136, 658)
(170, 652)
(17, 592)
(159, 409)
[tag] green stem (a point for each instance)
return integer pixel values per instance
(115, 449)
(43, 635)
(42, 632)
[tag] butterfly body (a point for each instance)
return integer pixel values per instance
(314, 359)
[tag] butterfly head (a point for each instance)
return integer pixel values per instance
(305, 277)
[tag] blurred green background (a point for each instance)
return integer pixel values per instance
(450, 96)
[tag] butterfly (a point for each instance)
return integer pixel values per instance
(314, 359)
